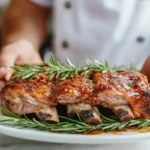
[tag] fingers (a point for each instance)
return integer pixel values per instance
(2, 83)
(2, 72)
(17, 53)
(9, 74)
(6, 61)
(2, 76)
(38, 60)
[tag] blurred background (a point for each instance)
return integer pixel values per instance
(3, 4)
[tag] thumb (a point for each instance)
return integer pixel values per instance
(8, 60)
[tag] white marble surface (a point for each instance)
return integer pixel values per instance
(9, 143)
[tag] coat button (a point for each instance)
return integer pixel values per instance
(65, 44)
(67, 5)
(140, 39)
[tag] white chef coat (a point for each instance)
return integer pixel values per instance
(114, 30)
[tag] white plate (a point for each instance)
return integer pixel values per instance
(72, 138)
(45, 136)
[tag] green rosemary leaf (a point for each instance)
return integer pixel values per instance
(28, 75)
(69, 63)
(69, 125)
(58, 70)
(129, 84)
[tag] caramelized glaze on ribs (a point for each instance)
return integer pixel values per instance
(74, 90)
(127, 94)
(126, 88)
(24, 97)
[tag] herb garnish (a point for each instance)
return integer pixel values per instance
(54, 68)
(69, 125)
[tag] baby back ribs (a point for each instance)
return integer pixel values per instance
(24, 97)
(127, 94)
(119, 90)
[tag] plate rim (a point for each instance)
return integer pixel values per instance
(45, 136)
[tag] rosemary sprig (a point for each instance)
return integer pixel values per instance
(57, 69)
(28, 71)
(69, 125)
(61, 71)
(96, 66)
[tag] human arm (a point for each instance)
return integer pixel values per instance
(23, 31)
(146, 68)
